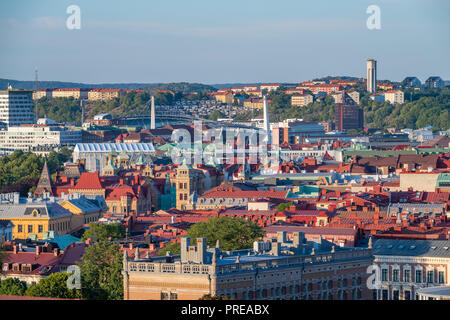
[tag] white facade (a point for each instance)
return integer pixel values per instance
(394, 96)
(26, 137)
(16, 107)
(301, 100)
(95, 153)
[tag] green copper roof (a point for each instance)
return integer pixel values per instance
(113, 152)
(140, 161)
(123, 155)
(443, 180)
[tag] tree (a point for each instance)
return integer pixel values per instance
(101, 232)
(233, 233)
(20, 171)
(216, 114)
(283, 206)
(101, 272)
(12, 287)
(53, 286)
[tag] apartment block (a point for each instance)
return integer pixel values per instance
(16, 107)
(301, 100)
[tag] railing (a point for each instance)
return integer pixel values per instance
(244, 267)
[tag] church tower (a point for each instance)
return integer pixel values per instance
(184, 184)
(45, 182)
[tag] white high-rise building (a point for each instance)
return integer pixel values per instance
(28, 136)
(371, 75)
(16, 107)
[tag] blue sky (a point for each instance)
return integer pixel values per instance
(222, 41)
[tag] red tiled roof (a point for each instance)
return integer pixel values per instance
(89, 180)
(249, 194)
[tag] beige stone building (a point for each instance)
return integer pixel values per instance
(279, 269)
(301, 100)
(406, 266)
(191, 182)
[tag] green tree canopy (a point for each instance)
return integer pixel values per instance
(284, 206)
(216, 114)
(101, 272)
(53, 286)
(233, 233)
(101, 232)
(12, 287)
(20, 171)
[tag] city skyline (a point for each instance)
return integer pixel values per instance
(221, 43)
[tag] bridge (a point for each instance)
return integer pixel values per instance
(159, 114)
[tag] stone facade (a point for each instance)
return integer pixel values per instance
(272, 270)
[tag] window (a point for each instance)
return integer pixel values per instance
(164, 296)
(430, 276)
(30, 228)
(407, 276)
(441, 276)
(407, 295)
(418, 276)
(395, 295)
(384, 275)
(41, 228)
(395, 275)
(173, 296)
(384, 294)
(19, 228)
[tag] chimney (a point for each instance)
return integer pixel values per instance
(56, 252)
(15, 248)
(38, 250)
(131, 246)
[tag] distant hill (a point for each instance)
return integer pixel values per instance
(181, 86)
(345, 78)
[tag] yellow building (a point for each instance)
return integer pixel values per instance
(42, 93)
(255, 103)
(224, 97)
(76, 93)
(32, 220)
(104, 94)
(32, 217)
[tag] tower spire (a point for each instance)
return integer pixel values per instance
(45, 182)
(153, 116)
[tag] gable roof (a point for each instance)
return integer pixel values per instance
(89, 180)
